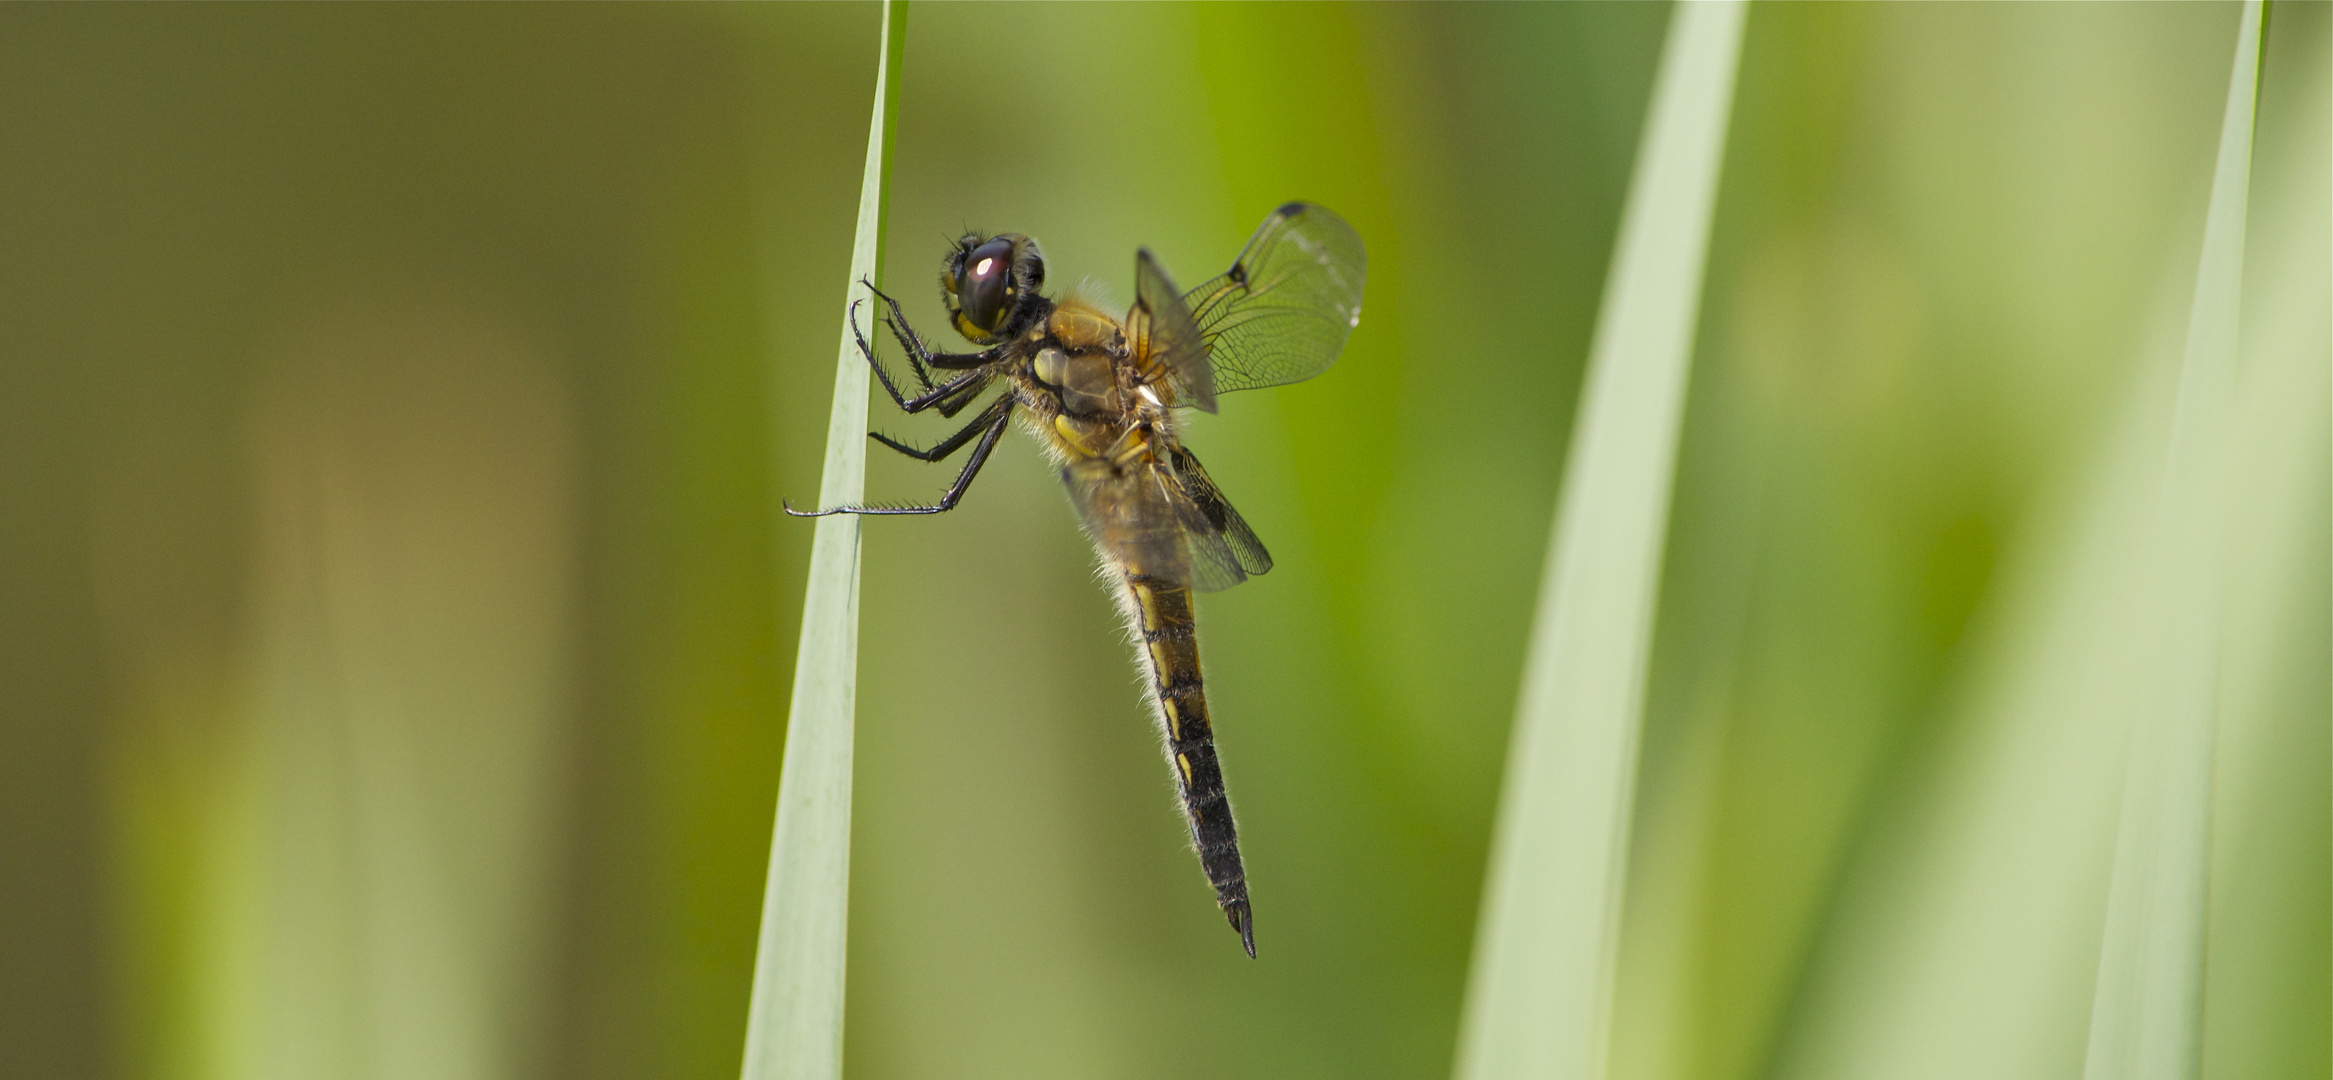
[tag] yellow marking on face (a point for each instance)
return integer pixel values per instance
(1173, 718)
(1149, 607)
(1184, 760)
(1069, 433)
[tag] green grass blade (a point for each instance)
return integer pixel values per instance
(794, 1031)
(2146, 1014)
(1539, 997)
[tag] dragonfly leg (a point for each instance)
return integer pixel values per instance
(988, 418)
(882, 375)
(950, 396)
(918, 354)
(955, 491)
(922, 377)
(949, 407)
(932, 394)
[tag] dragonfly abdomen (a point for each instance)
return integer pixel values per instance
(1168, 628)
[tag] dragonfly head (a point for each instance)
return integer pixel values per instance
(988, 284)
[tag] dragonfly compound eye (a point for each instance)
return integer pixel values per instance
(985, 285)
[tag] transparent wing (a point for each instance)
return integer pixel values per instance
(1165, 519)
(1166, 342)
(1215, 514)
(1282, 312)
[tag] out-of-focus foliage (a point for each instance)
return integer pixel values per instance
(1541, 984)
(2146, 1013)
(393, 658)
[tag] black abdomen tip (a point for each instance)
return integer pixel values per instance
(1244, 922)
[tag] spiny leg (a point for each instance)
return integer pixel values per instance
(955, 492)
(903, 334)
(868, 351)
(987, 418)
(949, 407)
(932, 395)
(918, 354)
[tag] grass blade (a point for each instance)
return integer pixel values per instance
(794, 1031)
(2146, 1013)
(1538, 1001)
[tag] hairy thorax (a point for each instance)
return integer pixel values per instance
(1086, 402)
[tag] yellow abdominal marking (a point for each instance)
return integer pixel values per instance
(1174, 720)
(1149, 609)
(1157, 658)
(1184, 760)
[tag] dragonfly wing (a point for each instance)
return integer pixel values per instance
(1281, 314)
(1148, 520)
(1214, 515)
(1166, 341)
(1127, 514)
(1214, 565)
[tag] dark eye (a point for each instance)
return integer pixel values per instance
(987, 280)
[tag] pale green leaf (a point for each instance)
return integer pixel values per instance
(794, 1031)
(2146, 1016)
(1538, 1003)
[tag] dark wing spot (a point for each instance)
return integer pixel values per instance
(1238, 273)
(1290, 209)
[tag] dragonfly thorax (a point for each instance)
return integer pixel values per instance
(1085, 383)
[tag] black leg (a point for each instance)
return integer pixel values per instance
(987, 418)
(917, 353)
(921, 401)
(952, 395)
(955, 491)
(908, 342)
(948, 408)
(868, 351)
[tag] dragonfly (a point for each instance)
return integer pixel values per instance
(1101, 394)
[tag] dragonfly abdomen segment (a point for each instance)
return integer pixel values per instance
(1169, 631)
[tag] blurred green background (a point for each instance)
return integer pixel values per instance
(395, 400)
